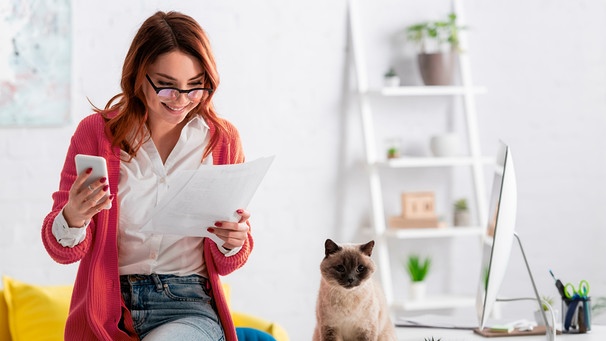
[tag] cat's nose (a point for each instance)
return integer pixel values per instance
(350, 280)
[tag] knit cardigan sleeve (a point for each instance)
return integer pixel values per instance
(85, 140)
(228, 151)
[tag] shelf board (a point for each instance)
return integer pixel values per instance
(437, 302)
(426, 90)
(433, 232)
(417, 161)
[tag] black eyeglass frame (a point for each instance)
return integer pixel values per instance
(157, 89)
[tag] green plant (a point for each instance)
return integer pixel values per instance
(432, 339)
(417, 268)
(485, 278)
(547, 299)
(391, 72)
(598, 305)
(460, 205)
(392, 153)
(436, 33)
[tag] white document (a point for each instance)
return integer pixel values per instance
(199, 198)
(438, 321)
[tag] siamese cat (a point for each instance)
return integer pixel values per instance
(351, 305)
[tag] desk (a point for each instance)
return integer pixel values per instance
(598, 333)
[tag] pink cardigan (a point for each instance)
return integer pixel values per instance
(96, 307)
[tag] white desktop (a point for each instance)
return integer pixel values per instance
(497, 243)
(597, 333)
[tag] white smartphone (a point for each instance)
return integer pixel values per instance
(98, 165)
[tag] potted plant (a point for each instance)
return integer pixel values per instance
(391, 78)
(461, 213)
(438, 43)
(393, 148)
(538, 315)
(598, 306)
(392, 153)
(417, 269)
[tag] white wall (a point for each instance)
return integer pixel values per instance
(283, 67)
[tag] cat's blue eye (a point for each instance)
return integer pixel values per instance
(340, 268)
(361, 268)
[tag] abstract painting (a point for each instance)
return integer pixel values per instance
(35, 62)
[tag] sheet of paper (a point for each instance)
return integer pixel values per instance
(438, 321)
(199, 198)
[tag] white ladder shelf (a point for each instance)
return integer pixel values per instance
(475, 160)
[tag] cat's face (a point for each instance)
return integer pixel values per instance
(347, 265)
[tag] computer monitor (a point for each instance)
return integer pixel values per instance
(498, 241)
(499, 235)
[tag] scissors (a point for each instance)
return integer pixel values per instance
(581, 292)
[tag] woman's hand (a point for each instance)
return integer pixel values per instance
(86, 201)
(233, 234)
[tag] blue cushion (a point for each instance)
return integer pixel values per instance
(250, 334)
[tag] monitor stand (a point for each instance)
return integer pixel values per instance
(548, 329)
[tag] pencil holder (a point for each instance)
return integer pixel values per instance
(576, 315)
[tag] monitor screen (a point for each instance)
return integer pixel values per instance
(499, 236)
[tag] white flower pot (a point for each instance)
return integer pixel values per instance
(393, 81)
(462, 218)
(444, 145)
(417, 291)
(538, 317)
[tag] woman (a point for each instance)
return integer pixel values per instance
(131, 285)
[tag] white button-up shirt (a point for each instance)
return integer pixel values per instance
(143, 183)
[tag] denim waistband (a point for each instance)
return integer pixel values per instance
(159, 280)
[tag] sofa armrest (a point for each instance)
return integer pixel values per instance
(4, 331)
(272, 328)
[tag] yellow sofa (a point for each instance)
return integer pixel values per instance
(38, 312)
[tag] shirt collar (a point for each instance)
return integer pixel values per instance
(197, 122)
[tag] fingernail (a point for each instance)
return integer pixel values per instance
(111, 197)
(105, 188)
(239, 211)
(211, 230)
(103, 179)
(89, 170)
(218, 224)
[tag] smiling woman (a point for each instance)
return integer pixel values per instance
(166, 107)
(153, 287)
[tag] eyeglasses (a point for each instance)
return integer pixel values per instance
(171, 94)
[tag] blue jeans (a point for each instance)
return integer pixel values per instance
(169, 307)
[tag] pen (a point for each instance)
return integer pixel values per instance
(559, 285)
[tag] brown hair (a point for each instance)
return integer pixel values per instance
(126, 112)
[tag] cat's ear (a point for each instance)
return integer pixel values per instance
(367, 248)
(330, 247)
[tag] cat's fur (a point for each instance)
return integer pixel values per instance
(351, 305)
